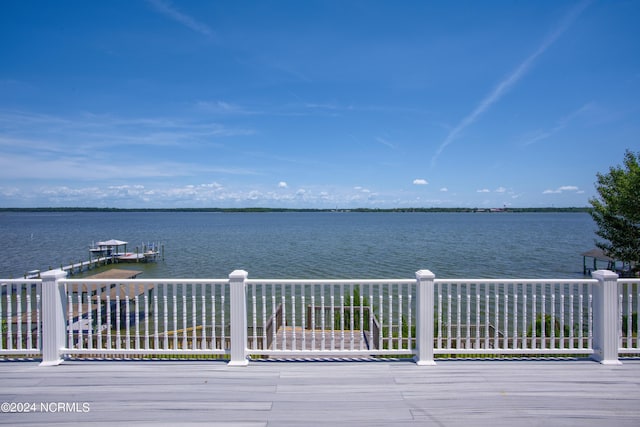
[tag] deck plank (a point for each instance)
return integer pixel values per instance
(268, 393)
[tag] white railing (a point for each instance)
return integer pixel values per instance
(20, 317)
(331, 317)
(628, 308)
(146, 317)
(236, 318)
(514, 317)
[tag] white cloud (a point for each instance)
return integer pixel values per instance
(500, 190)
(444, 189)
(484, 190)
(282, 184)
(420, 181)
(562, 189)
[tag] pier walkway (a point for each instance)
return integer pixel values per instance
(328, 393)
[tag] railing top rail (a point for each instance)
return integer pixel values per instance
(8, 281)
(629, 280)
(147, 281)
(329, 281)
(516, 281)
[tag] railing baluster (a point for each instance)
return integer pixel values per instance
(19, 288)
(184, 325)
(478, 324)
(581, 315)
(146, 316)
(118, 318)
(637, 346)
(109, 324)
(341, 316)
(89, 317)
(400, 319)
(254, 316)
(313, 317)
(303, 316)
(487, 316)
(156, 290)
(38, 319)
(98, 296)
(467, 293)
(2, 332)
(29, 288)
(411, 335)
(439, 316)
(552, 323)
(630, 317)
(562, 337)
(293, 317)
(223, 318)
(9, 316)
(514, 334)
(571, 315)
(203, 313)
(69, 317)
(283, 325)
(214, 323)
(165, 315)
(274, 313)
(449, 332)
(371, 315)
(590, 320)
(381, 301)
(525, 291)
(505, 320)
(194, 317)
(127, 322)
(332, 315)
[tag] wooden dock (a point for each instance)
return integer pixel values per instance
(287, 394)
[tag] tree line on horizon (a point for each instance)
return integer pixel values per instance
(266, 209)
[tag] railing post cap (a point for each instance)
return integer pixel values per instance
(53, 274)
(604, 275)
(425, 274)
(238, 274)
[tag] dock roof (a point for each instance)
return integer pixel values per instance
(597, 253)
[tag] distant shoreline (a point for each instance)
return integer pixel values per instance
(267, 210)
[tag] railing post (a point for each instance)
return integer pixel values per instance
(424, 317)
(238, 318)
(54, 324)
(605, 317)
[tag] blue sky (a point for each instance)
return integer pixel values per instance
(315, 104)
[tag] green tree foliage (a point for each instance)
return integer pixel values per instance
(616, 210)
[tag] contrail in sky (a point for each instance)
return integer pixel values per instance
(167, 9)
(502, 88)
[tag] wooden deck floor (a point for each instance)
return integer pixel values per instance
(392, 393)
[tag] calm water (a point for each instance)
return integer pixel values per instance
(309, 245)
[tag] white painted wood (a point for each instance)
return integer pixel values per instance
(605, 333)
(53, 316)
(238, 318)
(424, 317)
(507, 310)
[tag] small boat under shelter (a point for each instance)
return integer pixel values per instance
(117, 250)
